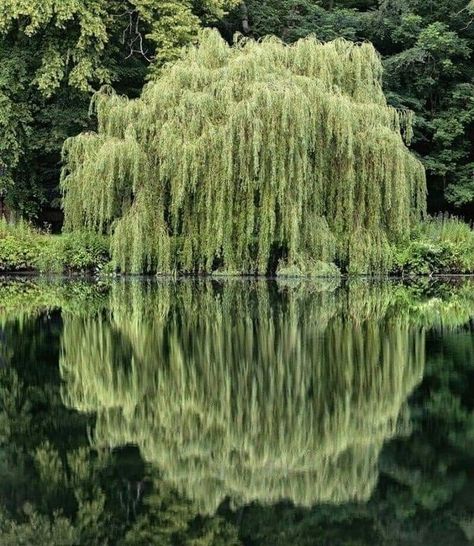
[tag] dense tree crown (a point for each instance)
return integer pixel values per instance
(54, 54)
(237, 154)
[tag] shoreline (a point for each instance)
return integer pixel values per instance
(180, 277)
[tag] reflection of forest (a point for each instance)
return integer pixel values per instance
(235, 390)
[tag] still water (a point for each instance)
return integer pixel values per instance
(238, 412)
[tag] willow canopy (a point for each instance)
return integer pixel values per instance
(249, 157)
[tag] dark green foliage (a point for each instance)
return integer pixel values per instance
(295, 19)
(33, 129)
(168, 520)
(428, 63)
(37, 530)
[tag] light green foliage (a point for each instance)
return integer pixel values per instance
(237, 154)
(69, 46)
(22, 248)
(439, 245)
(86, 42)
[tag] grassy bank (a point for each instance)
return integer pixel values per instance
(441, 245)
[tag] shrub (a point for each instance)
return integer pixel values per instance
(85, 251)
(441, 245)
(22, 248)
(19, 246)
(73, 252)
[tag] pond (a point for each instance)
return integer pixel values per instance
(237, 412)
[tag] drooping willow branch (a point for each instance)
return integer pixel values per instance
(239, 154)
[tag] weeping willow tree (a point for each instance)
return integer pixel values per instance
(236, 157)
(239, 391)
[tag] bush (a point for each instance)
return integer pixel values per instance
(19, 246)
(73, 252)
(85, 251)
(441, 245)
(23, 248)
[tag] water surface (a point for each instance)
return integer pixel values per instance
(239, 412)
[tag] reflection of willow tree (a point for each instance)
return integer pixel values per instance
(232, 391)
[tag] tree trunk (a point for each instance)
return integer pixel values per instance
(245, 18)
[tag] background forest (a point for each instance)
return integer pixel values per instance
(54, 55)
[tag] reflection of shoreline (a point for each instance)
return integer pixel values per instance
(238, 391)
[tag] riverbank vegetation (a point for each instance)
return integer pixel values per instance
(26, 249)
(439, 246)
